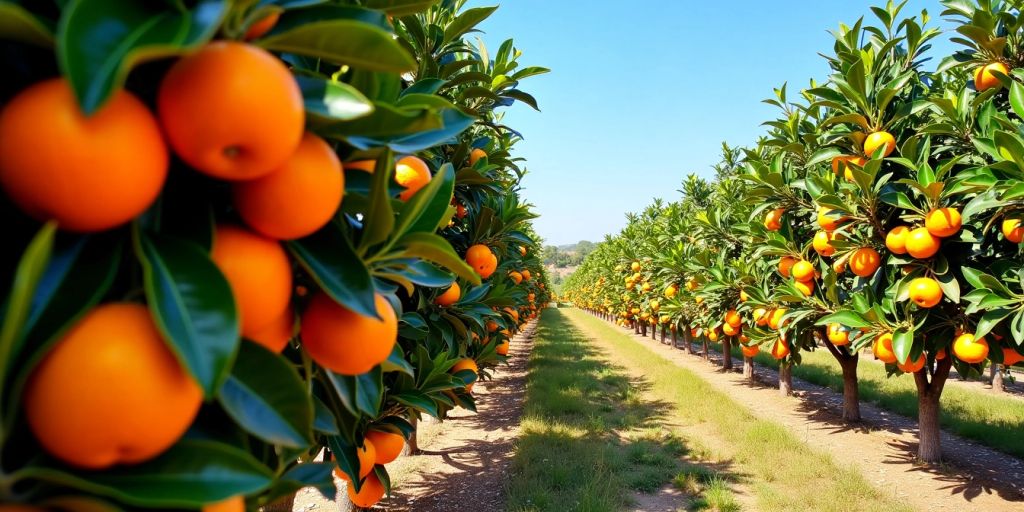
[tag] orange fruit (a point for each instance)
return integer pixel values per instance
(805, 287)
(733, 318)
(527, 276)
(922, 244)
(786, 266)
(296, 199)
(413, 174)
(460, 211)
(829, 221)
(476, 155)
(1012, 230)
(259, 273)
(671, 291)
(780, 349)
(843, 162)
(896, 240)
(232, 504)
(878, 140)
(502, 348)
(478, 257)
(943, 222)
(773, 221)
(344, 341)
(492, 326)
(761, 317)
(925, 292)
(750, 351)
(387, 445)
(465, 364)
(713, 334)
(839, 266)
(110, 391)
(369, 494)
(803, 270)
(262, 26)
(231, 110)
(823, 243)
(361, 165)
(450, 296)
(1011, 357)
(635, 266)
(522, 250)
(730, 330)
(775, 318)
(912, 366)
(516, 277)
(276, 335)
(970, 350)
(865, 261)
(837, 335)
(367, 455)
(87, 173)
(985, 79)
(743, 296)
(515, 314)
(882, 348)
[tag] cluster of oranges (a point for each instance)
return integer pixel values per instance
(380, 446)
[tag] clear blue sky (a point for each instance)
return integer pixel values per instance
(642, 93)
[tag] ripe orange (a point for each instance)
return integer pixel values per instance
(743, 296)
(912, 366)
(882, 348)
(750, 351)
(970, 350)
(232, 504)
(730, 330)
(1011, 357)
(780, 349)
(635, 266)
(413, 174)
(925, 292)
(733, 318)
(276, 335)
(837, 335)
(367, 457)
(297, 198)
(823, 243)
(803, 270)
(775, 318)
(344, 341)
(502, 348)
(231, 110)
(865, 261)
(829, 221)
(259, 273)
(526, 275)
(773, 221)
(460, 211)
(896, 240)
(786, 266)
(805, 287)
(712, 334)
(262, 26)
(877, 140)
(369, 494)
(450, 296)
(839, 266)
(985, 79)
(361, 165)
(1013, 231)
(492, 326)
(943, 222)
(922, 244)
(516, 277)
(671, 291)
(388, 445)
(522, 250)
(465, 364)
(110, 391)
(515, 314)
(476, 155)
(87, 173)
(761, 317)
(483, 261)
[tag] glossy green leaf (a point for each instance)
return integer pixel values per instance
(465, 22)
(396, 363)
(424, 211)
(100, 41)
(454, 122)
(329, 257)
(318, 475)
(328, 101)
(265, 396)
(193, 306)
(369, 391)
(324, 420)
(432, 247)
(379, 219)
(902, 343)
(18, 24)
(400, 7)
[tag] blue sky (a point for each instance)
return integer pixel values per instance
(642, 93)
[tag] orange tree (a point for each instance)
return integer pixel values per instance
(887, 208)
(243, 233)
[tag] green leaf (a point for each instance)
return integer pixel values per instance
(319, 475)
(345, 455)
(18, 24)
(369, 391)
(845, 318)
(400, 7)
(327, 100)
(265, 396)
(340, 34)
(190, 474)
(396, 363)
(324, 420)
(454, 122)
(902, 343)
(432, 247)
(465, 22)
(1017, 98)
(333, 263)
(424, 211)
(100, 41)
(192, 303)
(379, 219)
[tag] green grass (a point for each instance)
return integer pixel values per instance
(975, 414)
(588, 438)
(782, 472)
(710, 490)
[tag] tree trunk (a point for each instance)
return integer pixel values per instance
(851, 389)
(643, 329)
(929, 392)
(411, 446)
(663, 328)
(727, 353)
(997, 378)
(786, 379)
(675, 338)
(707, 353)
(748, 369)
(636, 327)
(688, 339)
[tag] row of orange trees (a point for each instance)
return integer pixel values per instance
(882, 209)
(238, 234)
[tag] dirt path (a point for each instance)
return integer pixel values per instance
(882, 448)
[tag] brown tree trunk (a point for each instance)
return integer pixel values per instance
(662, 334)
(727, 353)
(643, 329)
(675, 338)
(929, 391)
(997, 378)
(636, 327)
(688, 339)
(411, 446)
(707, 352)
(748, 369)
(851, 388)
(786, 378)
